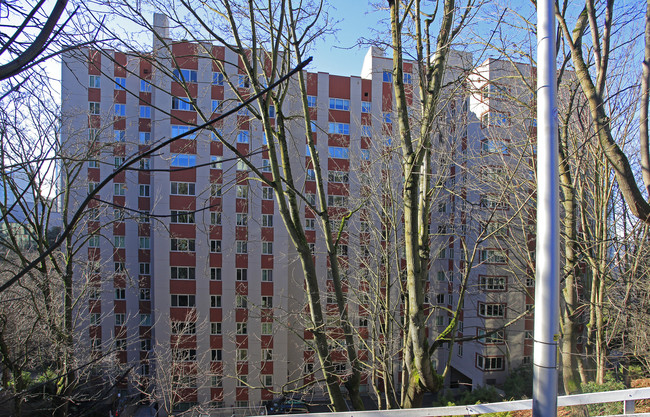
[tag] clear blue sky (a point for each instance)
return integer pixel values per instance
(338, 54)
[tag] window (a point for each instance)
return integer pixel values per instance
(267, 193)
(120, 344)
(267, 301)
(491, 145)
(216, 162)
(94, 81)
(181, 104)
(93, 108)
(185, 75)
(267, 248)
(145, 86)
(120, 83)
(120, 267)
(366, 107)
(215, 274)
(339, 152)
(242, 274)
(144, 217)
(242, 329)
(145, 112)
(267, 220)
(241, 191)
(216, 355)
(183, 327)
(120, 110)
(337, 200)
(388, 77)
(494, 338)
(492, 283)
(93, 241)
(183, 160)
(119, 135)
(493, 256)
(530, 282)
(242, 219)
(144, 190)
(311, 101)
(339, 128)
(489, 363)
(183, 300)
(182, 188)
(118, 215)
(388, 118)
(145, 345)
(215, 246)
(243, 81)
(241, 301)
(267, 328)
(267, 355)
(145, 268)
(184, 355)
(494, 119)
(267, 380)
(182, 245)
(339, 104)
(342, 250)
(266, 165)
(216, 106)
(310, 198)
(491, 310)
(119, 242)
(145, 319)
(267, 275)
(178, 216)
(493, 202)
(145, 243)
(118, 161)
(310, 175)
(243, 136)
(93, 163)
(215, 189)
(310, 224)
(215, 218)
(94, 293)
(183, 272)
(145, 138)
(95, 319)
(366, 131)
(178, 130)
(145, 294)
(338, 176)
(242, 354)
(217, 78)
(215, 301)
(120, 319)
(408, 79)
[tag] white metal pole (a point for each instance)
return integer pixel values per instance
(547, 283)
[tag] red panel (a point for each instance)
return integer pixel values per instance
(145, 99)
(94, 121)
(119, 64)
(338, 140)
(313, 113)
(216, 314)
(120, 177)
(268, 206)
(145, 306)
(216, 175)
(241, 287)
(119, 96)
(94, 62)
(243, 122)
(216, 147)
(144, 203)
(241, 205)
(266, 368)
(182, 286)
(95, 306)
(119, 228)
(93, 174)
(215, 259)
(119, 306)
(312, 84)
(366, 90)
(242, 341)
(243, 148)
(186, 55)
(182, 259)
(267, 261)
(183, 146)
(180, 314)
(178, 90)
(119, 123)
(340, 116)
(338, 189)
(217, 92)
(216, 232)
(241, 233)
(267, 234)
(216, 287)
(339, 86)
(216, 342)
(179, 202)
(218, 53)
(387, 97)
(144, 125)
(144, 281)
(145, 69)
(180, 117)
(241, 394)
(241, 260)
(94, 94)
(182, 230)
(365, 143)
(267, 288)
(366, 119)
(338, 164)
(144, 255)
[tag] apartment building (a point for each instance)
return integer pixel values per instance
(191, 274)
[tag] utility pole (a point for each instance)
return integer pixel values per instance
(547, 283)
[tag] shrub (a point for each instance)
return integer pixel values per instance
(610, 384)
(519, 384)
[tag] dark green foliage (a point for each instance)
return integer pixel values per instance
(611, 384)
(519, 384)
